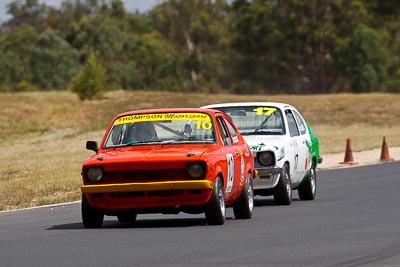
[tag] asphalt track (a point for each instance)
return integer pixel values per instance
(354, 221)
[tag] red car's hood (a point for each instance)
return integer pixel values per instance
(147, 157)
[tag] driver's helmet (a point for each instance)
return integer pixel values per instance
(142, 131)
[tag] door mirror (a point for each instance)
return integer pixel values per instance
(92, 145)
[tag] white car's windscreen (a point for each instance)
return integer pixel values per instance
(256, 120)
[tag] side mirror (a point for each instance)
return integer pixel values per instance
(92, 145)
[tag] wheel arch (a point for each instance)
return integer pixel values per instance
(313, 161)
(278, 176)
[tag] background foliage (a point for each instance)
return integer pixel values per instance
(208, 46)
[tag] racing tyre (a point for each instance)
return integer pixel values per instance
(215, 209)
(127, 217)
(308, 188)
(283, 190)
(243, 208)
(91, 217)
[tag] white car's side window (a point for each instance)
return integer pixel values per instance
(300, 123)
(293, 131)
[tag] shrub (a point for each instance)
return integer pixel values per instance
(89, 82)
(25, 86)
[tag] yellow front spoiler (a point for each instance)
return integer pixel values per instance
(151, 186)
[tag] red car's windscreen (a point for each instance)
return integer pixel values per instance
(164, 128)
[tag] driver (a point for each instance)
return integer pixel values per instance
(142, 132)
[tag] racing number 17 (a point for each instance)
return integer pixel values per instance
(268, 111)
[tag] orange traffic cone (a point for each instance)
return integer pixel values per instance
(348, 157)
(385, 151)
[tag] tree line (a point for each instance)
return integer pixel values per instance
(236, 46)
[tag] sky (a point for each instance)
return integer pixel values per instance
(130, 6)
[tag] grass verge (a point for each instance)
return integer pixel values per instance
(43, 134)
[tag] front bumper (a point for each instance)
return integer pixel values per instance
(138, 196)
(268, 171)
(267, 177)
(153, 186)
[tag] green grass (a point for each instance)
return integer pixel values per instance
(43, 134)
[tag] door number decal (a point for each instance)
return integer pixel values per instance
(296, 161)
(231, 168)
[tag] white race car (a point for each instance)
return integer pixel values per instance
(285, 150)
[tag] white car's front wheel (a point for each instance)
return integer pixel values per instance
(283, 190)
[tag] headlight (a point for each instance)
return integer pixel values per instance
(196, 170)
(266, 158)
(94, 174)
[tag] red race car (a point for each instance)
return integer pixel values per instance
(167, 161)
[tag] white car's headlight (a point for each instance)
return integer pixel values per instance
(94, 174)
(266, 158)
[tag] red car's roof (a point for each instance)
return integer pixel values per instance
(167, 110)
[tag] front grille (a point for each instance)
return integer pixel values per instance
(126, 194)
(140, 176)
(168, 193)
(160, 193)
